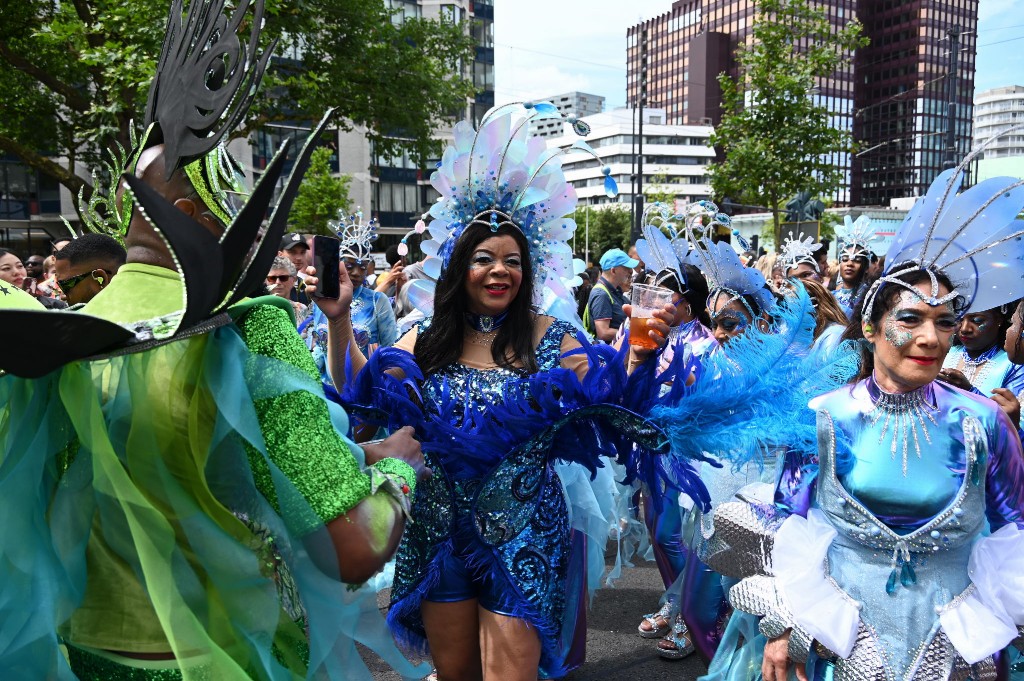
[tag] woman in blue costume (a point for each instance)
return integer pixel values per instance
(662, 513)
(977, 361)
(492, 577)
(854, 261)
(884, 569)
(373, 318)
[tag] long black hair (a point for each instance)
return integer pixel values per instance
(441, 343)
(884, 300)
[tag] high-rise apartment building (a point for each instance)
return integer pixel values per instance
(579, 104)
(996, 111)
(891, 97)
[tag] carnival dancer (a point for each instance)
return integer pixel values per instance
(884, 570)
(185, 507)
(662, 514)
(492, 576)
(979, 363)
(373, 318)
(799, 259)
(854, 260)
(738, 409)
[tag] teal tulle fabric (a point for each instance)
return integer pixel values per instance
(158, 447)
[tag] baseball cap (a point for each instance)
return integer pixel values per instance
(617, 257)
(290, 241)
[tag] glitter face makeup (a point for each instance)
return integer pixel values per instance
(913, 341)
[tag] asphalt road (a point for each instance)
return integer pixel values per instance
(614, 651)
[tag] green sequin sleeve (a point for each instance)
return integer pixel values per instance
(297, 428)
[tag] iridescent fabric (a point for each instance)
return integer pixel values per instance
(933, 471)
(157, 462)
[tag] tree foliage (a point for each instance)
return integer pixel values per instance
(76, 74)
(609, 228)
(775, 138)
(321, 196)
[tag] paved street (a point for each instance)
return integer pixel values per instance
(614, 651)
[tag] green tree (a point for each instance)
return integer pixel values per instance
(609, 228)
(775, 138)
(321, 196)
(658, 190)
(76, 74)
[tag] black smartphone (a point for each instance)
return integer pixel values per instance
(327, 260)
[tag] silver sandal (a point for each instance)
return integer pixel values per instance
(681, 645)
(655, 631)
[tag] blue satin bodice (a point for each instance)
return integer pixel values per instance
(877, 434)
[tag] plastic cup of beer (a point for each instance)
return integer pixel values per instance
(646, 301)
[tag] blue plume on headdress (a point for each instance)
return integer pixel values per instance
(751, 395)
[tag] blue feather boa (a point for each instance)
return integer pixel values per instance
(607, 413)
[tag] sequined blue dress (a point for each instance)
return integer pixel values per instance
(505, 520)
(884, 570)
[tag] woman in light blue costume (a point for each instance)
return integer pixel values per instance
(493, 576)
(855, 258)
(979, 363)
(373, 318)
(883, 570)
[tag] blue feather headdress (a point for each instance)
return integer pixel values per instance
(970, 237)
(499, 175)
(721, 265)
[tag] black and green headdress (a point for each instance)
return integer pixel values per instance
(204, 84)
(205, 81)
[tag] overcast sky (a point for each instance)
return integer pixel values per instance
(546, 47)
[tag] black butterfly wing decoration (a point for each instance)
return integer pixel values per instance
(206, 78)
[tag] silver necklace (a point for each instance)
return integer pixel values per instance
(903, 416)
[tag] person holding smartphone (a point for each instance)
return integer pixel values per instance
(373, 319)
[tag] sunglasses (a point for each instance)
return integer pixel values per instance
(278, 278)
(71, 282)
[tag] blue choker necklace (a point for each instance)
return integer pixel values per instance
(485, 323)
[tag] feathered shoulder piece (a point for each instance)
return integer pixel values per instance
(799, 251)
(750, 395)
(500, 175)
(974, 237)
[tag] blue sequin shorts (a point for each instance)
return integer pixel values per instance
(459, 582)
